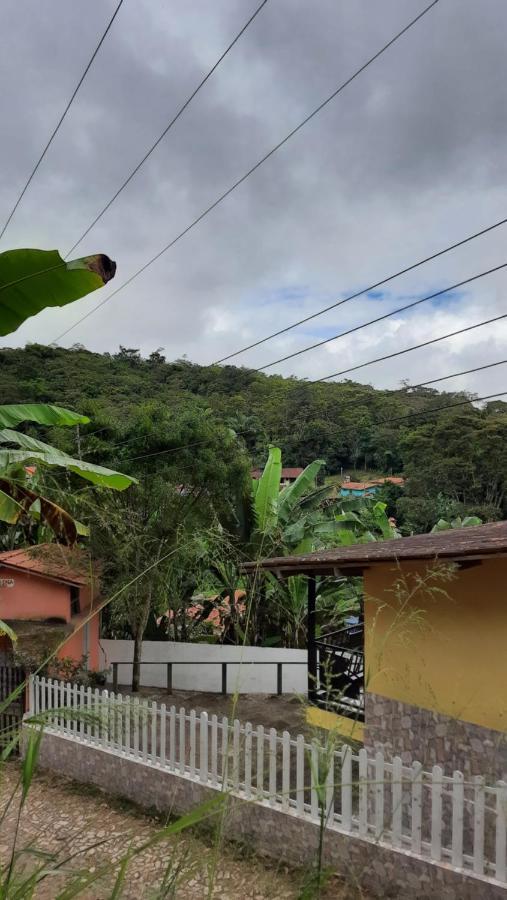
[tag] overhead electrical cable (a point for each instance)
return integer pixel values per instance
(363, 291)
(382, 318)
(61, 119)
(168, 127)
(250, 171)
(342, 405)
(436, 340)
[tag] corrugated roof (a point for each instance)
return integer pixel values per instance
(478, 541)
(359, 485)
(50, 561)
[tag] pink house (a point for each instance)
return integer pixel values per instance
(47, 594)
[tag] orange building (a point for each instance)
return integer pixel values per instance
(47, 594)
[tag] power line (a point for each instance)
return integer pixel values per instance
(363, 291)
(440, 408)
(383, 422)
(167, 128)
(443, 337)
(250, 171)
(413, 387)
(60, 121)
(382, 318)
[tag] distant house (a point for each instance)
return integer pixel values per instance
(46, 593)
(368, 488)
(288, 476)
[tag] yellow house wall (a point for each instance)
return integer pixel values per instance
(447, 653)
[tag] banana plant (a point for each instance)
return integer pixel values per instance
(30, 281)
(21, 466)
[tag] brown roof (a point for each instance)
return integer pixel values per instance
(359, 485)
(478, 541)
(49, 561)
(286, 473)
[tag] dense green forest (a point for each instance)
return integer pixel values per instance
(455, 460)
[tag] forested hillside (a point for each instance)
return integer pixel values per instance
(455, 459)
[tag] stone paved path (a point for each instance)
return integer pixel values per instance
(62, 817)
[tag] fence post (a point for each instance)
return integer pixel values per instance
(436, 813)
(224, 678)
(479, 804)
(272, 766)
(285, 769)
(182, 744)
(172, 738)
(300, 774)
(458, 797)
(260, 762)
(203, 747)
(248, 760)
(279, 678)
(31, 695)
(397, 800)
(163, 721)
(363, 792)
(501, 831)
(169, 677)
(214, 750)
(192, 743)
(379, 794)
(346, 779)
(417, 775)
(115, 677)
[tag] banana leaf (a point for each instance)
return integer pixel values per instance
(42, 413)
(268, 489)
(291, 494)
(32, 280)
(26, 501)
(33, 450)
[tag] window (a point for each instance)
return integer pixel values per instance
(74, 601)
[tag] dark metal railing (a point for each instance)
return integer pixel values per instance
(340, 670)
(224, 691)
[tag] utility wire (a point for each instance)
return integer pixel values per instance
(433, 409)
(412, 387)
(250, 171)
(382, 318)
(60, 121)
(343, 372)
(383, 422)
(167, 128)
(442, 337)
(363, 291)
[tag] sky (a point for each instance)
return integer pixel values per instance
(409, 158)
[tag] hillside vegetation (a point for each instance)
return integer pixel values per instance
(455, 460)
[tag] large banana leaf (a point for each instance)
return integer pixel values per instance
(42, 413)
(267, 491)
(33, 450)
(31, 280)
(10, 509)
(304, 483)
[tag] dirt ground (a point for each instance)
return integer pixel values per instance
(285, 713)
(62, 818)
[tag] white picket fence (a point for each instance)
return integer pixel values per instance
(433, 816)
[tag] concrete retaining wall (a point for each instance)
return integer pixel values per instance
(248, 679)
(385, 873)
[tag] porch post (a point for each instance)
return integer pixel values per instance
(312, 648)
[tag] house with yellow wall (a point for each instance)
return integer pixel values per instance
(423, 672)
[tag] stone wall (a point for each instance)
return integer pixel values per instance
(414, 733)
(366, 865)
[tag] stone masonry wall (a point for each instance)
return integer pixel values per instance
(414, 733)
(366, 865)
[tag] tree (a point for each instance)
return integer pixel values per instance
(157, 528)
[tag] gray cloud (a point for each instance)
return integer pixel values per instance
(408, 159)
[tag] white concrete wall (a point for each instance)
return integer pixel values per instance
(248, 679)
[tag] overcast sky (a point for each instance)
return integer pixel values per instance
(410, 157)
